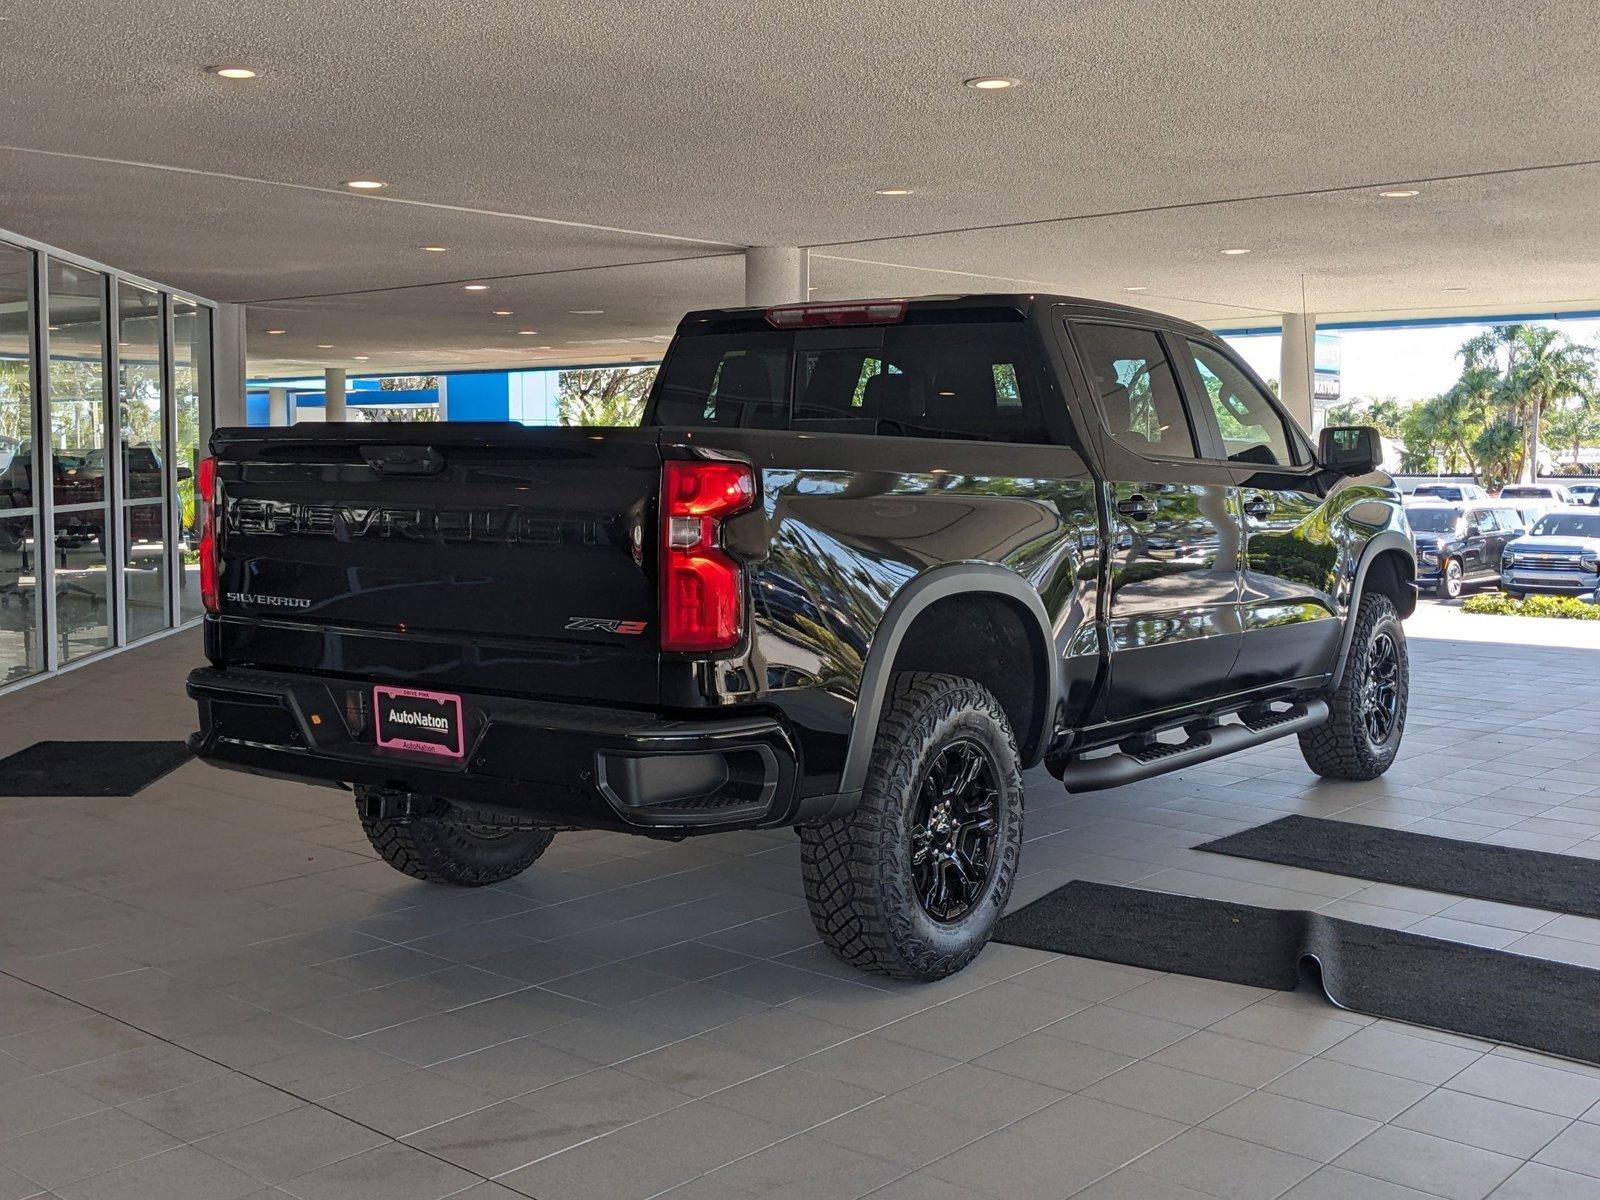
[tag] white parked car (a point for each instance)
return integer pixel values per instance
(1560, 555)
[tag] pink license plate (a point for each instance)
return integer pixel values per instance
(424, 722)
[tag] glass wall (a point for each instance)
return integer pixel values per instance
(191, 351)
(76, 306)
(21, 651)
(105, 395)
(141, 407)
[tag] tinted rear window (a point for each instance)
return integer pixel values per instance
(969, 381)
(1568, 525)
(1433, 520)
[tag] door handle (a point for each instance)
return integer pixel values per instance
(1258, 506)
(1137, 507)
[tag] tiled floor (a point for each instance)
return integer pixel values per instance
(213, 990)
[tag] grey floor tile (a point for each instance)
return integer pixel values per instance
(898, 1131)
(512, 1068)
(1349, 1089)
(698, 1136)
(1576, 1149)
(135, 1074)
(408, 1103)
(989, 1096)
(1232, 1059)
(1177, 1095)
(1532, 1085)
(29, 1104)
(598, 1171)
(1012, 1166)
(1054, 1061)
(502, 1137)
(184, 1173)
(1225, 1166)
(1335, 1183)
(391, 1172)
(1303, 1030)
(1295, 1126)
(1479, 1121)
(1537, 1181)
(1410, 1057)
(1132, 1184)
(876, 1063)
(1113, 1029)
(792, 1097)
(74, 1150)
(699, 1066)
(1418, 1160)
(290, 1143)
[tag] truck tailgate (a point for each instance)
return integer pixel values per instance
(468, 557)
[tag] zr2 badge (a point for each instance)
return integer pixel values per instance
(606, 625)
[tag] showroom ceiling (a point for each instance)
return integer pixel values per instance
(615, 156)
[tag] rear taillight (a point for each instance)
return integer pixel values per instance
(702, 586)
(205, 497)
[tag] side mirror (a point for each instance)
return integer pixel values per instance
(1349, 449)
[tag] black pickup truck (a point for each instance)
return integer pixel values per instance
(862, 565)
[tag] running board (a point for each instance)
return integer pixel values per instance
(1144, 758)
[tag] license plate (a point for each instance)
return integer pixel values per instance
(423, 722)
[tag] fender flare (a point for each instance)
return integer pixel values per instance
(1389, 539)
(951, 579)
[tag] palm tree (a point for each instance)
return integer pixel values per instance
(1575, 424)
(1538, 367)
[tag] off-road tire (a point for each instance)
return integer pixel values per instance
(1452, 580)
(1340, 748)
(446, 851)
(857, 870)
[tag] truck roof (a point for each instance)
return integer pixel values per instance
(1022, 303)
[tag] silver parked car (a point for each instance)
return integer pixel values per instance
(1560, 555)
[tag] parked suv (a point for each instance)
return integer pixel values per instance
(1458, 544)
(863, 565)
(1559, 555)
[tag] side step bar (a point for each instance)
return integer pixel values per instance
(1144, 758)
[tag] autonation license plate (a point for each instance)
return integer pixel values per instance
(425, 722)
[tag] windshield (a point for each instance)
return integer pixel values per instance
(1434, 489)
(1567, 524)
(1433, 520)
(1526, 493)
(960, 380)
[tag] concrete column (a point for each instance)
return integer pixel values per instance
(227, 368)
(444, 397)
(1297, 366)
(333, 388)
(776, 275)
(277, 406)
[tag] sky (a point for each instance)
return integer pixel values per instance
(1408, 364)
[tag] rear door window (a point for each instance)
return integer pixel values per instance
(726, 380)
(1135, 389)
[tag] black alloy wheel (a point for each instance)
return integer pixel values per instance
(953, 830)
(1380, 690)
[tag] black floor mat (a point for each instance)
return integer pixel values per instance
(1508, 874)
(88, 768)
(1493, 994)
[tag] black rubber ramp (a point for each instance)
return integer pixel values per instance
(88, 768)
(1507, 874)
(1493, 994)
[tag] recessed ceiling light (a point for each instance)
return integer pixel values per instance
(1455, 289)
(586, 312)
(991, 83)
(361, 358)
(527, 332)
(894, 191)
(1400, 194)
(476, 287)
(231, 71)
(1236, 250)
(1140, 288)
(324, 345)
(502, 312)
(365, 185)
(436, 249)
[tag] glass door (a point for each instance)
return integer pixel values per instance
(76, 308)
(21, 648)
(141, 406)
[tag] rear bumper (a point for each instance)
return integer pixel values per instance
(560, 764)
